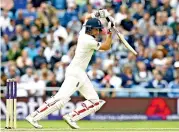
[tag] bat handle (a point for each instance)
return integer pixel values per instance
(107, 18)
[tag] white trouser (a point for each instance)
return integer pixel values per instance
(77, 80)
(74, 80)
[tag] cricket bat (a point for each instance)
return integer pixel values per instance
(121, 37)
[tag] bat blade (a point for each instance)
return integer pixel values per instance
(127, 45)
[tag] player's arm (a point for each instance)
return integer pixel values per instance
(95, 14)
(88, 16)
(106, 45)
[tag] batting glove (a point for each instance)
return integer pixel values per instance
(103, 13)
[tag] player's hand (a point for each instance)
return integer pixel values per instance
(102, 13)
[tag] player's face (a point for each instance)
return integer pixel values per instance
(95, 31)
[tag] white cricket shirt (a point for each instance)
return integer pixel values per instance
(85, 48)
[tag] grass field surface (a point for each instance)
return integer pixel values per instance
(96, 126)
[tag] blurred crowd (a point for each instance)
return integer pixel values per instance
(39, 37)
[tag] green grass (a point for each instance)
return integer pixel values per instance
(95, 126)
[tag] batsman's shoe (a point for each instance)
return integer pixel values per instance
(32, 122)
(71, 123)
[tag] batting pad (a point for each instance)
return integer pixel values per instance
(86, 108)
(49, 107)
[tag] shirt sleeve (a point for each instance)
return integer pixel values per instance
(82, 31)
(92, 43)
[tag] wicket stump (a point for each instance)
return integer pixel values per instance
(11, 99)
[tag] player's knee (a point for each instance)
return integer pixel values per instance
(50, 101)
(59, 102)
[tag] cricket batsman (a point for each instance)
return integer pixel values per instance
(76, 77)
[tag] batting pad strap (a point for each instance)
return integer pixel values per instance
(86, 108)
